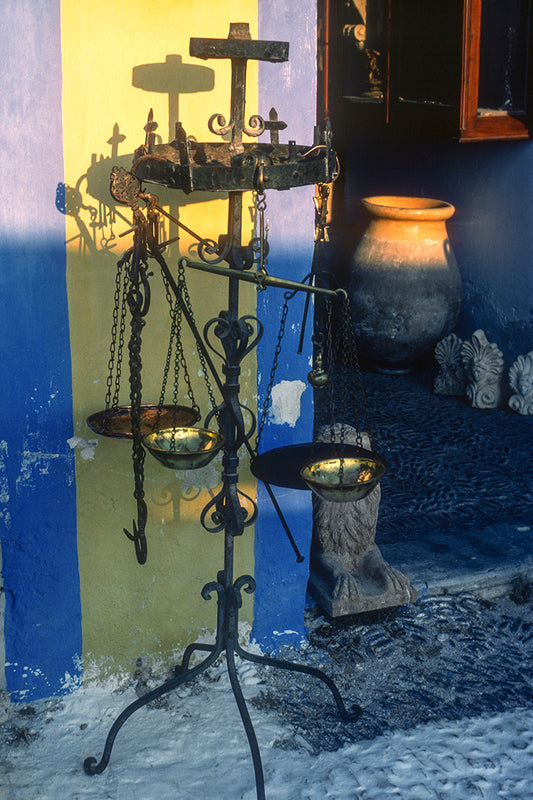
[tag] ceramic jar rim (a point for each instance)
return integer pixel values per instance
(409, 208)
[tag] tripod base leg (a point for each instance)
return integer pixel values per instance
(347, 716)
(91, 765)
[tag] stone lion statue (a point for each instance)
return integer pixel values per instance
(348, 573)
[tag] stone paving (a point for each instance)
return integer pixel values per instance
(441, 659)
(452, 468)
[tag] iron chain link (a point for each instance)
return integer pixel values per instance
(273, 370)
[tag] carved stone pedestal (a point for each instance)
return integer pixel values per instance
(348, 574)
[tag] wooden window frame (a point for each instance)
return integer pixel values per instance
(473, 126)
(464, 124)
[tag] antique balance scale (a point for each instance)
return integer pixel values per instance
(335, 470)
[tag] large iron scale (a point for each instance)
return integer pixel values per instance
(234, 166)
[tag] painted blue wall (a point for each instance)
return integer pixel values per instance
(37, 484)
(291, 89)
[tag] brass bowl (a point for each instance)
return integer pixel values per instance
(184, 448)
(117, 422)
(343, 480)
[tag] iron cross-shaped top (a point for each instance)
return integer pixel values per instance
(239, 47)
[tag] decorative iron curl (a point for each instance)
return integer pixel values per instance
(258, 248)
(217, 515)
(225, 508)
(213, 586)
(256, 126)
(239, 330)
(223, 127)
(222, 332)
(210, 252)
(244, 433)
(246, 583)
(219, 127)
(250, 516)
(249, 321)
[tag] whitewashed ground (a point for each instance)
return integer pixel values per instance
(194, 747)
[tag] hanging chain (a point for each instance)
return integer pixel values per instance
(339, 343)
(260, 243)
(122, 328)
(349, 346)
(117, 336)
(273, 370)
(179, 360)
(180, 356)
(188, 305)
(328, 313)
(166, 370)
(114, 328)
(139, 302)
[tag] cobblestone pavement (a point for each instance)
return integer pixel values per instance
(446, 687)
(451, 467)
(441, 659)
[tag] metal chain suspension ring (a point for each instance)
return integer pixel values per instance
(259, 244)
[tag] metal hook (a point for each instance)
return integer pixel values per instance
(260, 177)
(139, 540)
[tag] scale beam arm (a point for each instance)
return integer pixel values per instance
(262, 279)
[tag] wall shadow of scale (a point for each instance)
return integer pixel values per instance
(96, 221)
(171, 77)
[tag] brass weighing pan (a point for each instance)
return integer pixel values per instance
(282, 465)
(116, 423)
(184, 448)
(344, 480)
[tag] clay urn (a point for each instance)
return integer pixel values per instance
(405, 286)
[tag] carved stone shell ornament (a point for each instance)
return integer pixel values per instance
(521, 382)
(451, 378)
(483, 362)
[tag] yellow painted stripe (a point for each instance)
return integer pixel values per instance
(121, 58)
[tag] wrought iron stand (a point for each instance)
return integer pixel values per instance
(231, 510)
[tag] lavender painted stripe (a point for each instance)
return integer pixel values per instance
(291, 89)
(38, 498)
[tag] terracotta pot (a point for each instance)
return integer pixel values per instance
(405, 286)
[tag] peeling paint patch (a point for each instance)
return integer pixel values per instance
(286, 402)
(87, 447)
(34, 462)
(5, 517)
(4, 485)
